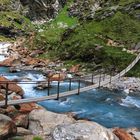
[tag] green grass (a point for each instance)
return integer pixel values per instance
(125, 2)
(4, 2)
(37, 138)
(16, 21)
(52, 31)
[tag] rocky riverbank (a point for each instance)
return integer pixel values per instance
(127, 84)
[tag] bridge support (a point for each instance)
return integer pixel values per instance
(79, 84)
(100, 79)
(70, 84)
(58, 88)
(6, 96)
(48, 86)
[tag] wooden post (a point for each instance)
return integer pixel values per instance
(6, 96)
(70, 84)
(48, 86)
(79, 82)
(58, 87)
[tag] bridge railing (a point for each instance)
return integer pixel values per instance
(79, 80)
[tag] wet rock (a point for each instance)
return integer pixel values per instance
(122, 134)
(7, 127)
(82, 130)
(42, 85)
(13, 70)
(21, 120)
(43, 121)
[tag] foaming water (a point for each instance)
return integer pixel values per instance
(111, 109)
(2, 57)
(130, 101)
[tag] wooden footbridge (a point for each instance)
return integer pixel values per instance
(70, 92)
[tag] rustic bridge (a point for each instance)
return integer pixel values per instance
(70, 92)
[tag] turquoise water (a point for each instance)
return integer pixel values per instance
(111, 109)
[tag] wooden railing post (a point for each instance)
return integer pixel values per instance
(48, 86)
(70, 84)
(99, 78)
(6, 95)
(79, 83)
(58, 87)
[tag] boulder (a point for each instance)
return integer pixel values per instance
(1, 97)
(7, 127)
(21, 120)
(14, 96)
(58, 77)
(42, 10)
(11, 110)
(122, 134)
(22, 131)
(13, 70)
(42, 85)
(74, 69)
(11, 86)
(26, 108)
(134, 132)
(82, 130)
(10, 61)
(43, 121)
(36, 53)
(31, 61)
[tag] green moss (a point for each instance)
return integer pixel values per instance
(125, 2)
(4, 2)
(37, 138)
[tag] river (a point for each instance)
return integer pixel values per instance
(108, 108)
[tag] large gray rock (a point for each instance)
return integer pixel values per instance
(7, 127)
(21, 120)
(84, 9)
(82, 130)
(43, 9)
(22, 131)
(43, 121)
